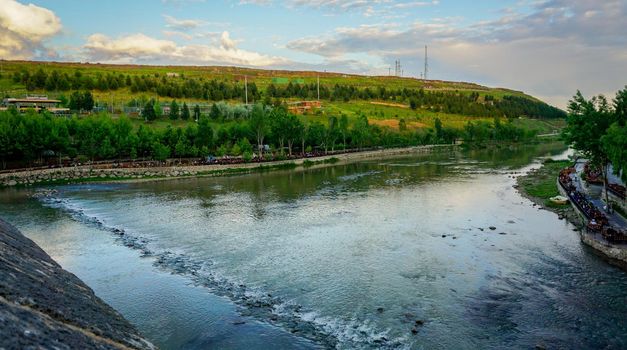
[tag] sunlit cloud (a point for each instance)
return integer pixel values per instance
(24, 30)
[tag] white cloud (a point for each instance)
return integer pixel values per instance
(180, 2)
(140, 48)
(24, 29)
(182, 24)
(176, 33)
(255, 2)
(368, 8)
(559, 47)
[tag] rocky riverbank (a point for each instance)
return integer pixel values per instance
(42, 306)
(89, 173)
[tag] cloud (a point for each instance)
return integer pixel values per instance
(255, 2)
(24, 30)
(180, 2)
(553, 50)
(182, 24)
(140, 48)
(368, 8)
(176, 33)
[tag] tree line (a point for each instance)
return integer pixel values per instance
(37, 138)
(453, 102)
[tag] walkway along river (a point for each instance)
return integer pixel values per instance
(603, 231)
(426, 251)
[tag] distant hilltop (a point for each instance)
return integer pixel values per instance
(116, 87)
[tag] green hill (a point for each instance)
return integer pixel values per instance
(383, 99)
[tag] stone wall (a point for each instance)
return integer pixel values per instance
(43, 306)
(75, 174)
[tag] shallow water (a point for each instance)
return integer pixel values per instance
(348, 256)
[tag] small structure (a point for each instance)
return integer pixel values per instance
(38, 103)
(301, 107)
(172, 75)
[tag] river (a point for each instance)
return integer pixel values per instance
(394, 253)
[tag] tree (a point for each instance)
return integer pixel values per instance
(587, 123)
(344, 128)
(160, 152)
(316, 134)
(214, 113)
(196, 112)
(158, 109)
(294, 128)
(149, 111)
(361, 131)
(615, 145)
(438, 130)
(87, 101)
(259, 123)
(402, 125)
(331, 134)
(7, 144)
(615, 141)
(204, 137)
(76, 101)
(185, 112)
(279, 126)
(413, 103)
(174, 110)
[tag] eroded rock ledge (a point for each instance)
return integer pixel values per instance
(45, 307)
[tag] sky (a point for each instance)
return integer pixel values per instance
(547, 48)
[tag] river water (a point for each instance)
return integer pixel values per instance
(394, 253)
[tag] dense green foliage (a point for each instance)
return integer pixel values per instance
(598, 129)
(614, 141)
(81, 101)
(480, 132)
(32, 138)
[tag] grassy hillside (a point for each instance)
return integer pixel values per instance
(383, 112)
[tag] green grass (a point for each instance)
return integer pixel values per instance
(542, 183)
(309, 163)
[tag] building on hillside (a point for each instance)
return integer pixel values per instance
(301, 107)
(38, 103)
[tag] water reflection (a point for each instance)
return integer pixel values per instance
(353, 255)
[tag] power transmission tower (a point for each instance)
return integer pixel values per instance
(397, 68)
(426, 63)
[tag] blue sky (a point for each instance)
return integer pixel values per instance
(549, 48)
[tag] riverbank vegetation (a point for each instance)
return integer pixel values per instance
(541, 183)
(37, 139)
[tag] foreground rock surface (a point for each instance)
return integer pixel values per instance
(43, 306)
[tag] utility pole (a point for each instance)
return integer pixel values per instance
(318, 88)
(426, 63)
(389, 71)
(246, 87)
